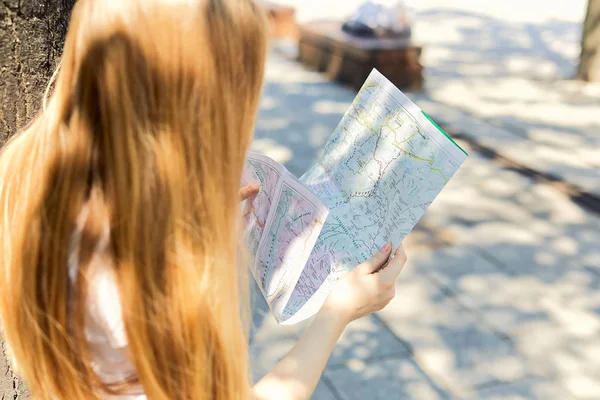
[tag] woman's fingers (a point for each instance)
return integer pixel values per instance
(374, 263)
(248, 191)
(394, 266)
(369, 287)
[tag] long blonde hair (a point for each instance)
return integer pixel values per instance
(147, 127)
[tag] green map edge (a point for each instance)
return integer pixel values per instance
(444, 132)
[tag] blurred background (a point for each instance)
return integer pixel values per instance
(500, 299)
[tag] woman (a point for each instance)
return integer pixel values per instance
(120, 214)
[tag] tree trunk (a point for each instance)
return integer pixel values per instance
(32, 34)
(589, 62)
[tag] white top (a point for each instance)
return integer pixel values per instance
(104, 328)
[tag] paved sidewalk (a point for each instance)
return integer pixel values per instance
(500, 299)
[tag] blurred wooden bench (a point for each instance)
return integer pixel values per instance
(282, 20)
(325, 47)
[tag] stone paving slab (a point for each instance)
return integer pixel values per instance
(556, 340)
(533, 389)
(536, 236)
(498, 299)
(395, 378)
(366, 339)
(448, 341)
(567, 358)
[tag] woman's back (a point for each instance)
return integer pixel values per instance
(104, 328)
(145, 132)
(119, 215)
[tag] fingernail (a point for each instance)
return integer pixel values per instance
(386, 247)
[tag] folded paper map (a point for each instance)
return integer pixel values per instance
(380, 170)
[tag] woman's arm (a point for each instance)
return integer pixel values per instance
(364, 290)
(297, 374)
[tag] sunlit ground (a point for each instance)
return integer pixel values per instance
(500, 297)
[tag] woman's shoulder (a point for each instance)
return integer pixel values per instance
(103, 303)
(104, 326)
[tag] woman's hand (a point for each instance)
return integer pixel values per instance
(364, 290)
(368, 287)
(248, 191)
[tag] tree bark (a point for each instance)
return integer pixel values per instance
(32, 34)
(589, 61)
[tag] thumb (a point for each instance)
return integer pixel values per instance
(248, 191)
(374, 263)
